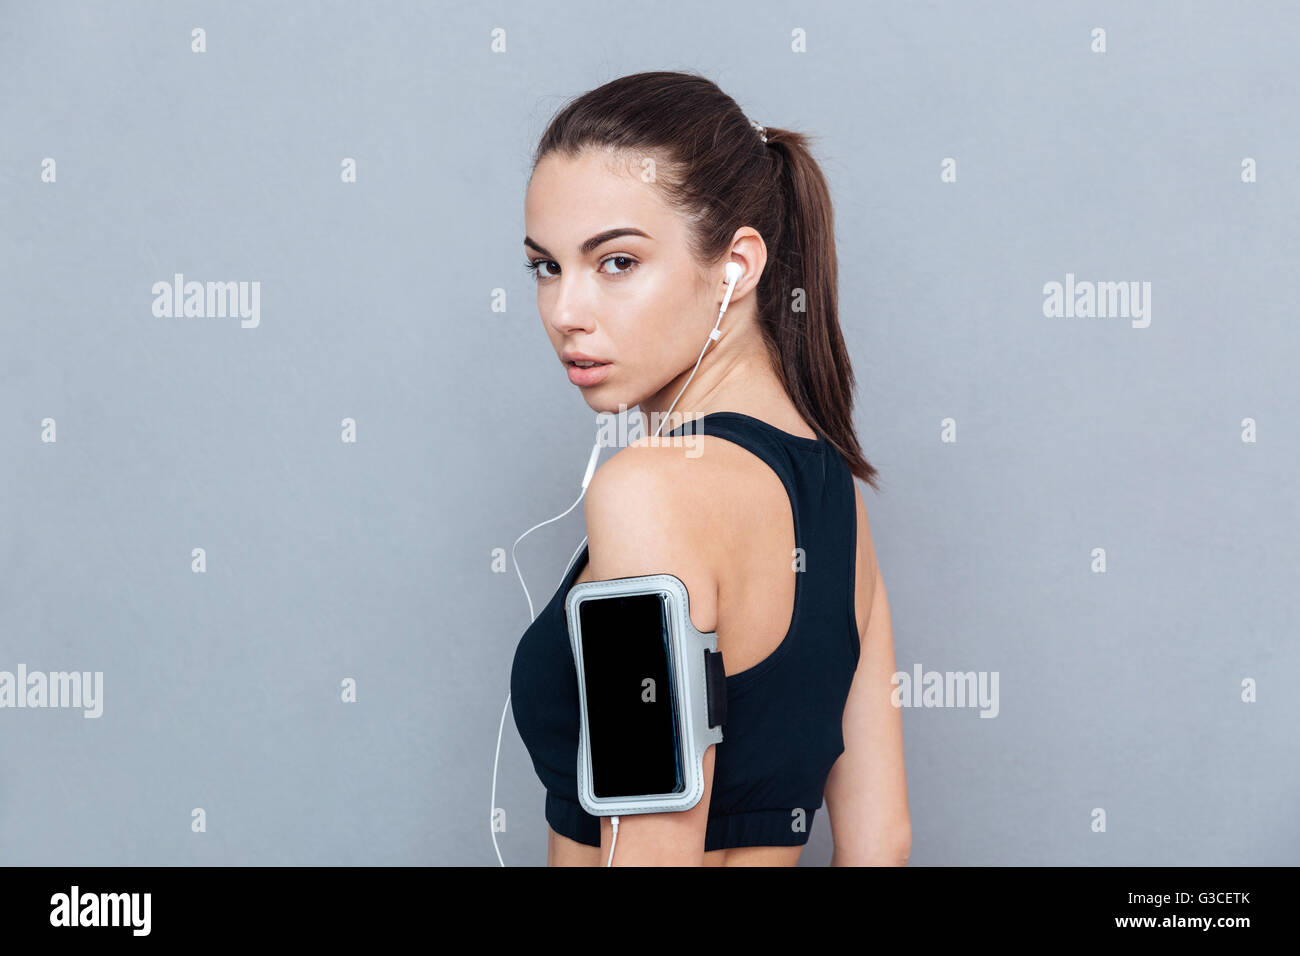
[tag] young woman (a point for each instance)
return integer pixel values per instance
(642, 191)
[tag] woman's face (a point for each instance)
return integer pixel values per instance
(614, 279)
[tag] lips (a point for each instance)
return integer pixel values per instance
(586, 377)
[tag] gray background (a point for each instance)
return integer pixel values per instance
(373, 560)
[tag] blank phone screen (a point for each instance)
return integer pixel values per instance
(631, 700)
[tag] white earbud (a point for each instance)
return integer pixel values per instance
(733, 272)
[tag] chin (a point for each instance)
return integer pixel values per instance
(604, 403)
(603, 399)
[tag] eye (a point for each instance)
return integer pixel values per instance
(631, 265)
(533, 265)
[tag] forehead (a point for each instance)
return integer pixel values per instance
(572, 197)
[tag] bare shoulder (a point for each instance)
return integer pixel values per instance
(647, 511)
(865, 569)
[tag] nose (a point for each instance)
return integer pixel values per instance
(567, 313)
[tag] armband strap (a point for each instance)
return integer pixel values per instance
(715, 679)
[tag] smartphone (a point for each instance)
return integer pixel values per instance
(627, 671)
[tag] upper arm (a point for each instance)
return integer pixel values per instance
(866, 791)
(633, 507)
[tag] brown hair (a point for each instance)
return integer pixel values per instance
(721, 175)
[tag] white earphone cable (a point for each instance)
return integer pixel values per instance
(613, 821)
(532, 616)
(733, 273)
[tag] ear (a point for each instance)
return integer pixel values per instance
(749, 252)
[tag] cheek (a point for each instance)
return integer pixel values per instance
(670, 322)
(679, 331)
(648, 343)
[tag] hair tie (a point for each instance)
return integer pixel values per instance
(762, 130)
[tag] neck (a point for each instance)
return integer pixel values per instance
(728, 379)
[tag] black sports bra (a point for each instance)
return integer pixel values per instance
(784, 714)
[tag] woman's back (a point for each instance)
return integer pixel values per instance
(775, 518)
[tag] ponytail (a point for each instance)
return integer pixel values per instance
(799, 304)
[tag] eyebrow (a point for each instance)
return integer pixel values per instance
(596, 241)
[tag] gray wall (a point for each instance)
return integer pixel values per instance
(371, 560)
